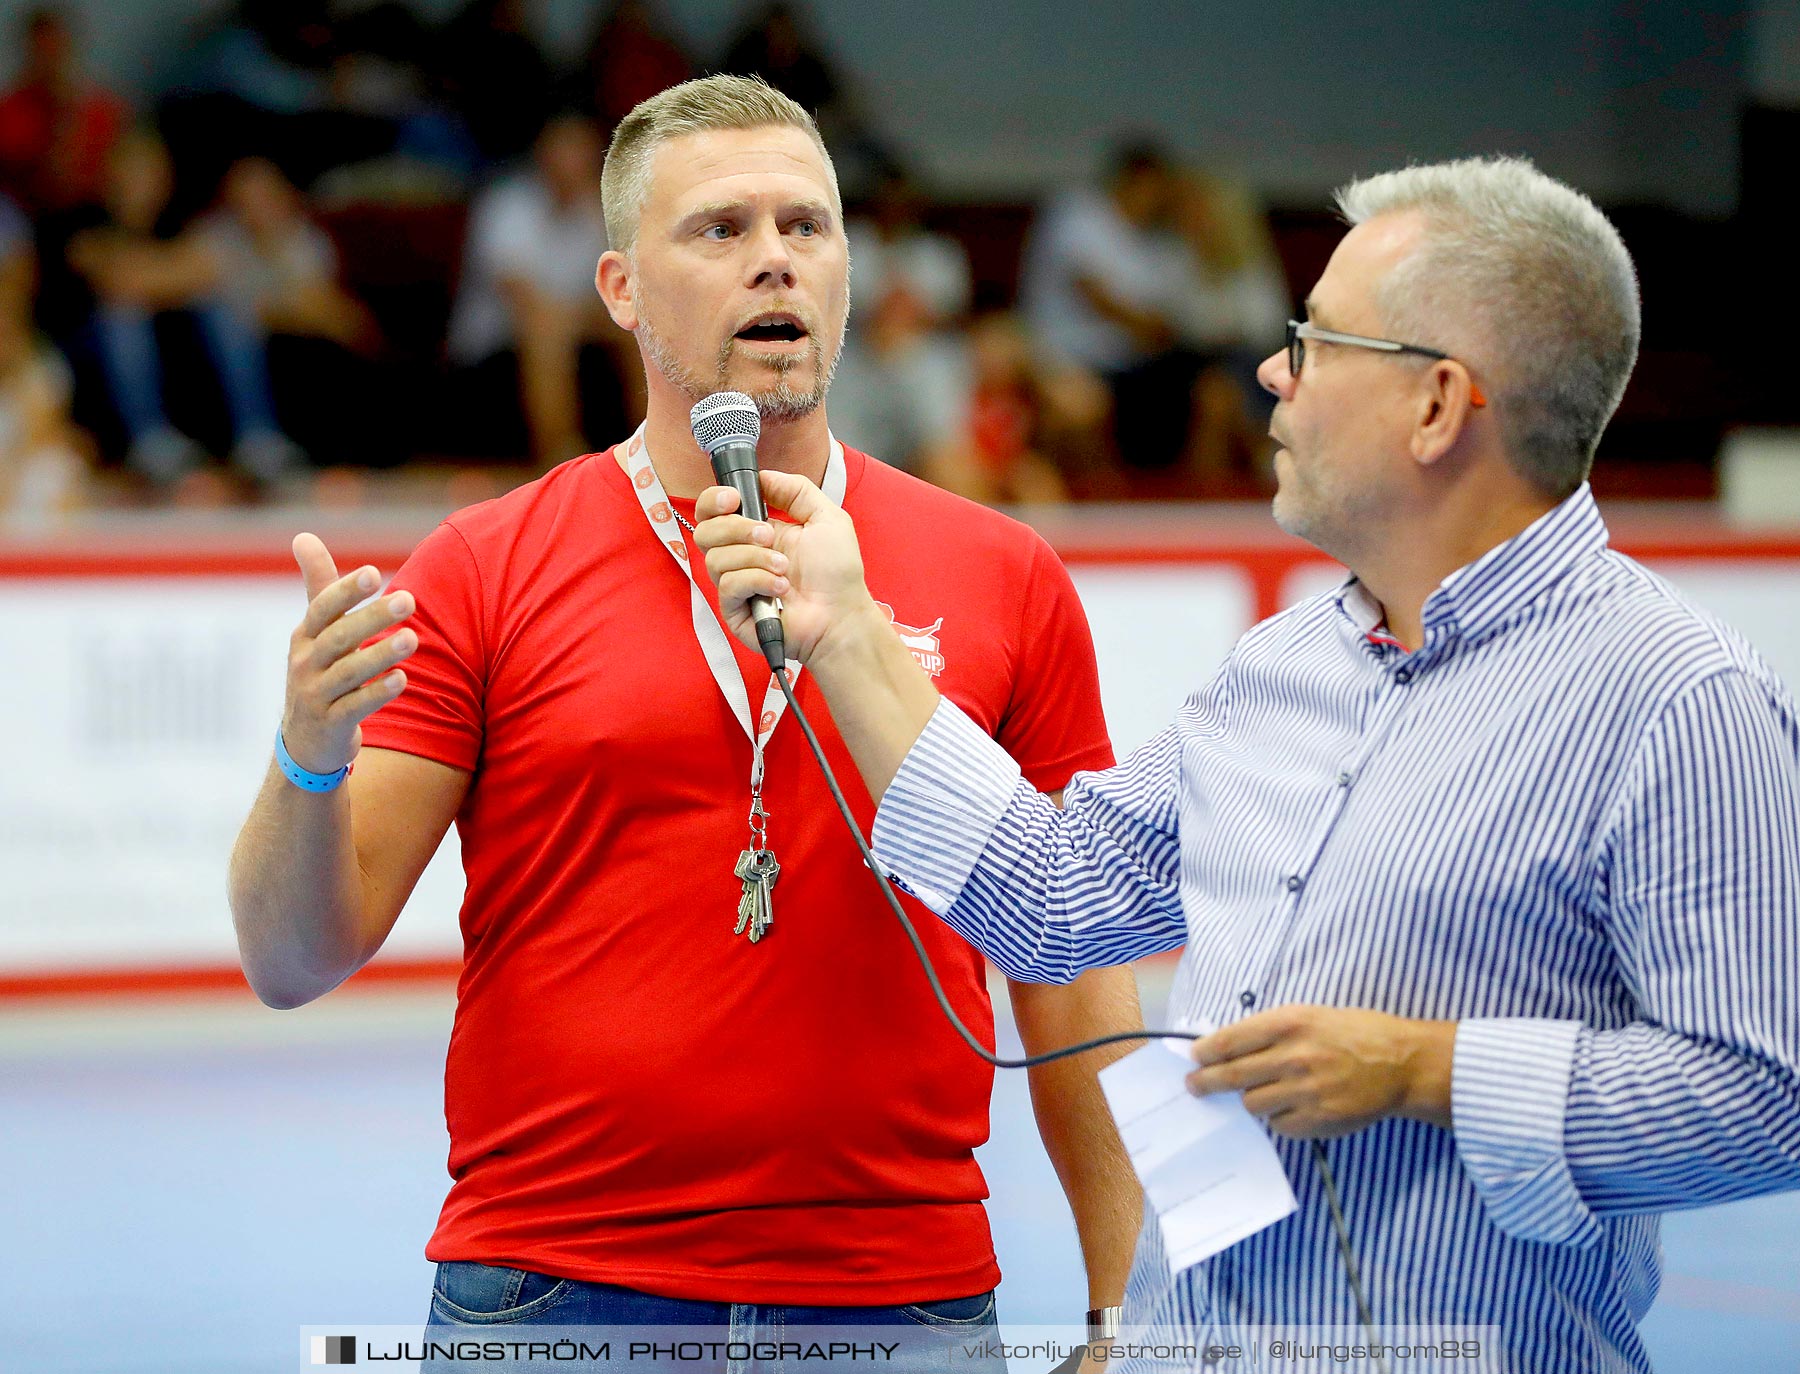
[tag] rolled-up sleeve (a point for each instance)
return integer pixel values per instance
(1509, 1092)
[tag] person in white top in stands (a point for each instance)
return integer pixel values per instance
(903, 379)
(528, 286)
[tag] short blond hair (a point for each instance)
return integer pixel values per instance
(705, 103)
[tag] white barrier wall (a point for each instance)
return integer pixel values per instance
(141, 708)
(140, 723)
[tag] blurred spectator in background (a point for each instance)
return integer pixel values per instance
(18, 265)
(43, 466)
(41, 453)
(378, 78)
(775, 45)
(56, 128)
(527, 306)
(630, 57)
(141, 270)
(1024, 422)
(248, 83)
(278, 272)
(273, 55)
(1106, 285)
(492, 72)
(1233, 316)
(277, 265)
(902, 379)
(310, 89)
(772, 45)
(1150, 298)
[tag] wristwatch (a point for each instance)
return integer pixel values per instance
(1103, 1323)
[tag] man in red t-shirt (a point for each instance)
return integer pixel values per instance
(654, 1117)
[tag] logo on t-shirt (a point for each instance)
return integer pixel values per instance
(923, 642)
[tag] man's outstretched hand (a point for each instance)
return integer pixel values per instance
(334, 683)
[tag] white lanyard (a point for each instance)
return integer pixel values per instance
(714, 644)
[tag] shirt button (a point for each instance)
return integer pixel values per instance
(1403, 677)
(1247, 999)
(1294, 881)
(1344, 779)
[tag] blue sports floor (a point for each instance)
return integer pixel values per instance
(187, 1182)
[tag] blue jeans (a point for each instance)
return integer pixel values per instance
(479, 1301)
(125, 339)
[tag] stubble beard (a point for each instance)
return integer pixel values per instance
(1304, 511)
(1289, 510)
(778, 404)
(1334, 518)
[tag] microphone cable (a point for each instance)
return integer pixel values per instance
(1030, 1061)
(1339, 1224)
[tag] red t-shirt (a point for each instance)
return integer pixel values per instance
(53, 148)
(635, 1095)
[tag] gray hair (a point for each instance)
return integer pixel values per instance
(705, 103)
(1524, 279)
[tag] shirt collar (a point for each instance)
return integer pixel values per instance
(1364, 612)
(1483, 596)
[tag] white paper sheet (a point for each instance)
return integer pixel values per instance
(1206, 1164)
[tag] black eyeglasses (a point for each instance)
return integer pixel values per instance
(1299, 331)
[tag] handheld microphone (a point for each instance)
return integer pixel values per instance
(726, 424)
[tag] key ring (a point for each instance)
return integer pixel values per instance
(759, 820)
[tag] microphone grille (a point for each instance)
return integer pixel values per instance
(724, 416)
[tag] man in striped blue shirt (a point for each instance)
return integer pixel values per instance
(1487, 864)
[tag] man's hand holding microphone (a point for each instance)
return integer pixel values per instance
(880, 698)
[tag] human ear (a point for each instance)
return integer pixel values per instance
(613, 280)
(1447, 401)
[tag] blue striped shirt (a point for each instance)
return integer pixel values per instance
(1569, 821)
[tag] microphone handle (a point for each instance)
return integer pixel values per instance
(749, 490)
(734, 465)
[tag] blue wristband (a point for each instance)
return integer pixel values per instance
(300, 777)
